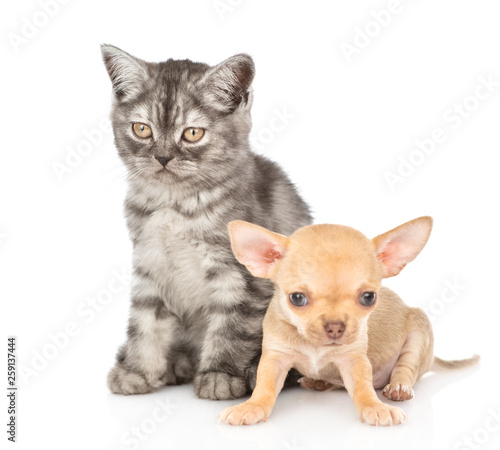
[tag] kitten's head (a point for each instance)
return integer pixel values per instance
(179, 121)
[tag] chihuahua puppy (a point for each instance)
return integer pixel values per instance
(332, 321)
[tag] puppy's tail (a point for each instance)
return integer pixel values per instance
(439, 363)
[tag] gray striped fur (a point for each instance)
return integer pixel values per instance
(196, 314)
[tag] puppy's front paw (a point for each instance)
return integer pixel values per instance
(243, 414)
(219, 386)
(398, 392)
(125, 382)
(381, 414)
(315, 385)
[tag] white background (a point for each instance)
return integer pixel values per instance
(63, 239)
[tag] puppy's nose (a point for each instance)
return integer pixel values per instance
(162, 160)
(335, 329)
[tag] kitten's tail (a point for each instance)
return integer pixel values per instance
(439, 363)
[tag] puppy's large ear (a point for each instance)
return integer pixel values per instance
(398, 247)
(126, 71)
(256, 248)
(227, 84)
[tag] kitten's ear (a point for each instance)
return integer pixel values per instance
(398, 247)
(227, 85)
(125, 71)
(256, 248)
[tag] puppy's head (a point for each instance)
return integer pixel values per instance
(327, 277)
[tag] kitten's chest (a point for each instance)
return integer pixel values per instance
(177, 255)
(170, 245)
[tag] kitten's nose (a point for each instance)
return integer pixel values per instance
(162, 160)
(335, 329)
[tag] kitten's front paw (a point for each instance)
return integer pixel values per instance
(381, 414)
(219, 386)
(243, 414)
(123, 381)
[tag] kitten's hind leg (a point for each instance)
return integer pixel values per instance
(414, 360)
(141, 365)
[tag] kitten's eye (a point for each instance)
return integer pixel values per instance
(298, 299)
(368, 298)
(141, 130)
(193, 134)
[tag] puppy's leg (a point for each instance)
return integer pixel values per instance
(271, 375)
(414, 360)
(356, 372)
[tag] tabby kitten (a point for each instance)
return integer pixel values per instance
(181, 129)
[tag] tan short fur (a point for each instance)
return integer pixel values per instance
(388, 344)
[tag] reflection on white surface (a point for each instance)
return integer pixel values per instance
(300, 420)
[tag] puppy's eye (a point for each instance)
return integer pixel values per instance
(141, 130)
(298, 299)
(368, 298)
(193, 134)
